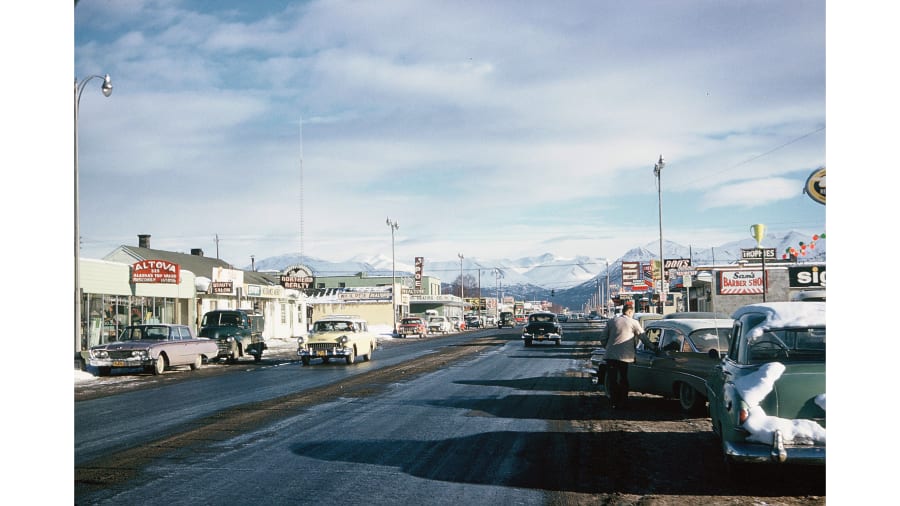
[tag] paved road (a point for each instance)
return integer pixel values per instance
(469, 419)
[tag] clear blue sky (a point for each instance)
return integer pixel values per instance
(496, 129)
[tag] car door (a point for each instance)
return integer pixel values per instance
(663, 362)
(640, 376)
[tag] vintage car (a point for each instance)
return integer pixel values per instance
(412, 326)
(238, 332)
(507, 319)
(542, 326)
(439, 325)
(767, 396)
(673, 358)
(337, 336)
(155, 347)
(458, 323)
(474, 322)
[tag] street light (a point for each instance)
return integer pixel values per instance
(657, 171)
(606, 302)
(394, 226)
(106, 88)
(461, 291)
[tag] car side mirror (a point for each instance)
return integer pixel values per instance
(714, 354)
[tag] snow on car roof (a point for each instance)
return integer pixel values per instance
(787, 314)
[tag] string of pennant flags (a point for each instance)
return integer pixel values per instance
(803, 247)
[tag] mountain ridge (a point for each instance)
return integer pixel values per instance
(545, 271)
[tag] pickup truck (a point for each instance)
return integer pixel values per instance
(237, 332)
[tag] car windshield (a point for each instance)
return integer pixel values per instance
(333, 327)
(708, 339)
(411, 321)
(156, 333)
(437, 319)
(795, 344)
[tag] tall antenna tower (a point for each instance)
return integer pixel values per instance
(301, 189)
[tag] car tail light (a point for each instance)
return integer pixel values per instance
(743, 415)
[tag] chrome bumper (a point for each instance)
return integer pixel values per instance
(541, 337)
(776, 453)
(121, 362)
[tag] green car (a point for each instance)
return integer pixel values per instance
(767, 397)
(676, 356)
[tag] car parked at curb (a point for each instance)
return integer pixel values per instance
(507, 319)
(337, 336)
(542, 326)
(238, 332)
(673, 359)
(767, 396)
(154, 347)
(439, 325)
(412, 326)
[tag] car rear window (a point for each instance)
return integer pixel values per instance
(709, 339)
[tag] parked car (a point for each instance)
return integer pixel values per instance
(412, 326)
(438, 325)
(673, 358)
(507, 319)
(337, 336)
(457, 323)
(155, 347)
(238, 332)
(542, 326)
(473, 322)
(767, 397)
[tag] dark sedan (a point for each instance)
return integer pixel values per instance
(542, 326)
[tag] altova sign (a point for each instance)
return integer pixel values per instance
(815, 185)
(155, 271)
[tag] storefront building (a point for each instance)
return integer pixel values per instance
(134, 285)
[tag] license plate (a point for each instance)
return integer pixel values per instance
(321, 353)
(118, 363)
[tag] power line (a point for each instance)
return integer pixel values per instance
(788, 143)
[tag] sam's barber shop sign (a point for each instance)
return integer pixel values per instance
(155, 271)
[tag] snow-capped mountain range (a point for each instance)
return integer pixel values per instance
(546, 271)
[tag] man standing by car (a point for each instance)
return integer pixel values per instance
(621, 340)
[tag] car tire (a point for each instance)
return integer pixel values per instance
(198, 361)
(690, 400)
(160, 365)
(368, 356)
(351, 358)
(258, 356)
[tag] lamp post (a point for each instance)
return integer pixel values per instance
(606, 301)
(657, 171)
(394, 226)
(461, 292)
(106, 88)
(498, 274)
